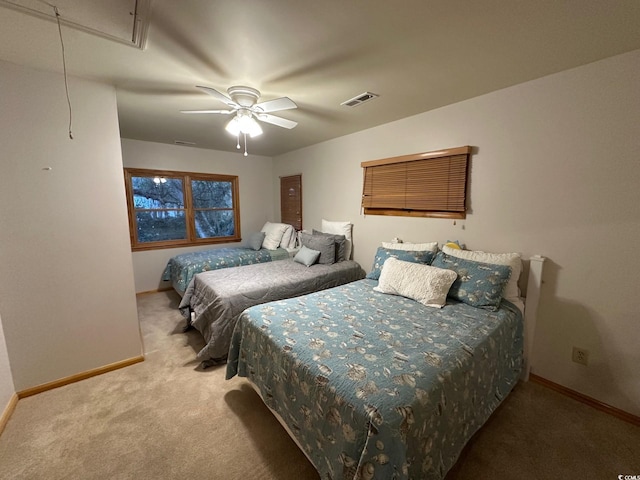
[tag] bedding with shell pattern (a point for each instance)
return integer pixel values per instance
(377, 386)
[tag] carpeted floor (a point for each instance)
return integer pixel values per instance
(166, 419)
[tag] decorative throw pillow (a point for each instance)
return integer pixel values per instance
(325, 245)
(340, 241)
(306, 256)
(478, 284)
(273, 235)
(340, 228)
(422, 283)
(256, 239)
(383, 253)
(511, 291)
(414, 247)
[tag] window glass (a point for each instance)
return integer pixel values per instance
(161, 226)
(208, 194)
(157, 192)
(214, 223)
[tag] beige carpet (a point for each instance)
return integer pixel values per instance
(166, 419)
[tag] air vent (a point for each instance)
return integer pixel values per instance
(183, 143)
(360, 99)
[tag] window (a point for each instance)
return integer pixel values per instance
(291, 200)
(176, 209)
(431, 184)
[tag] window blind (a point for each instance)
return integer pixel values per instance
(291, 200)
(423, 184)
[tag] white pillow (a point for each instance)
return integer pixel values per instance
(511, 291)
(412, 247)
(423, 283)
(289, 237)
(339, 228)
(273, 234)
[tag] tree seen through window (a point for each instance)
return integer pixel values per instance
(174, 208)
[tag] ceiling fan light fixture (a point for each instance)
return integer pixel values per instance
(233, 127)
(243, 124)
(249, 126)
(242, 102)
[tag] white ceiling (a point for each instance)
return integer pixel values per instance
(417, 55)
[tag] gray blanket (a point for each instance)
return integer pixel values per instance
(214, 300)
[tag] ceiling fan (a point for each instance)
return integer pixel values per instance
(242, 102)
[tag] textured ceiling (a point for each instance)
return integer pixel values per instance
(416, 54)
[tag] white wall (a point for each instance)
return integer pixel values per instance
(555, 172)
(256, 193)
(6, 380)
(66, 285)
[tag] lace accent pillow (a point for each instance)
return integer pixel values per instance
(422, 283)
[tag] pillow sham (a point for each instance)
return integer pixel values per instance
(340, 241)
(340, 228)
(414, 247)
(408, 256)
(273, 234)
(422, 283)
(256, 239)
(511, 292)
(306, 256)
(325, 245)
(478, 284)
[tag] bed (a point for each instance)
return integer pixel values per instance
(181, 268)
(378, 386)
(214, 300)
(275, 241)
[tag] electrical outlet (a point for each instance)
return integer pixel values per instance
(580, 355)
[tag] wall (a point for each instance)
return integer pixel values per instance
(555, 172)
(256, 192)
(66, 284)
(6, 380)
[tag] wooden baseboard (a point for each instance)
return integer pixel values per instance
(6, 414)
(166, 289)
(79, 376)
(592, 402)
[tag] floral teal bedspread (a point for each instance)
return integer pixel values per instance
(181, 268)
(377, 386)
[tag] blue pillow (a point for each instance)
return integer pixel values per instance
(478, 284)
(407, 255)
(255, 240)
(306, 256)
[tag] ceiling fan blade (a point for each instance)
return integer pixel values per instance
(223, 112)
(220, 96)
(279, 121)
(282, 103)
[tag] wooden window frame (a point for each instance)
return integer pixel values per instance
(186, 177)
(396, 190)
(287, 214)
